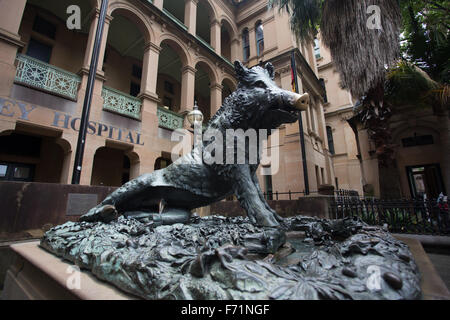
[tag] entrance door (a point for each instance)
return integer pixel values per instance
(16, 172)
(425, 179)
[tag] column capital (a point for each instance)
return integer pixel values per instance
(189, 69)
(235, 40)
(108, 18)
(149, 96)
(216, 86)
(193, 1)
(215, 21)
(152, 47)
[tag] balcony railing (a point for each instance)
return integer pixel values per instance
(121, 103)
(37, 74)
(169, 119)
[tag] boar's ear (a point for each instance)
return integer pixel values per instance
(270, 70)
(240, 70)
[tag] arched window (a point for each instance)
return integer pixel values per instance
(259, 38)
(245, 44)
(330, 139)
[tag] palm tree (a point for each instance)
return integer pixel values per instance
(361, 53)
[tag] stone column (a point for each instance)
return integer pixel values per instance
(236, 53)
(187, 89)
(10, 20)
(215, 36)
(159, 3)
(91, 42)
(150, 99)
(150, 68)
(216, 97)
(190, 15)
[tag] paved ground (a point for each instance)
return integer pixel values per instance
(442, 264)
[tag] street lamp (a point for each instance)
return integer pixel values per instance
(195, 118)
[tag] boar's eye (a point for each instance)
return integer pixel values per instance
(260, 84)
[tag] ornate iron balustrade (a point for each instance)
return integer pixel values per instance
(121, 103)
(416, 216)
(41, 75)
(169, 119)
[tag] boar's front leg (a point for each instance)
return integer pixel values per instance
(261, 196)
(247, 193)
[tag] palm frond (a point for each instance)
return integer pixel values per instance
(361, 54)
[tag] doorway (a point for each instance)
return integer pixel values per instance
(425, 179)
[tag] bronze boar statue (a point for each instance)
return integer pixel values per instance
(168, 195)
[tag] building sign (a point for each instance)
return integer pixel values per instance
(12, 108)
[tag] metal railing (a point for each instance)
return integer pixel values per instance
(37, 74)
(121, 103)
(290, 195)
(416, 216)
(174, 19)
(169, 119)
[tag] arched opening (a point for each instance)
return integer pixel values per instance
(123, 59)
(259, 33)
(225, 39)
(30, 157)
(168, 86)
(245, 45)
(227, 88)
(203, 82)
(49, 43)
(111, 167)
(175, 8)
(44, 30)
(205, 15)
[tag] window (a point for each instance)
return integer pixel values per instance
(135, 89)
(16, 172)
(167, 102)
(317, 176)
(259, 38)
(268, 187)
(246, 45)
(316, 48)
(322, 173)
(168, 87)
(136, 72)
(417, 141)
(322, 83)
(330, 140)
(39, 50)
(44, 27)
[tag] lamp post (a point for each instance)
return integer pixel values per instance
(195, 118)
(76, 175)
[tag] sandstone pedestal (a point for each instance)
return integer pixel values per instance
(40, 275)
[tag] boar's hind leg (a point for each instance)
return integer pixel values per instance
(248, 196)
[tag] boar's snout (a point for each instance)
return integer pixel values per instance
(301, 101)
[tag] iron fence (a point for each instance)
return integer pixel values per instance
(400, 216)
